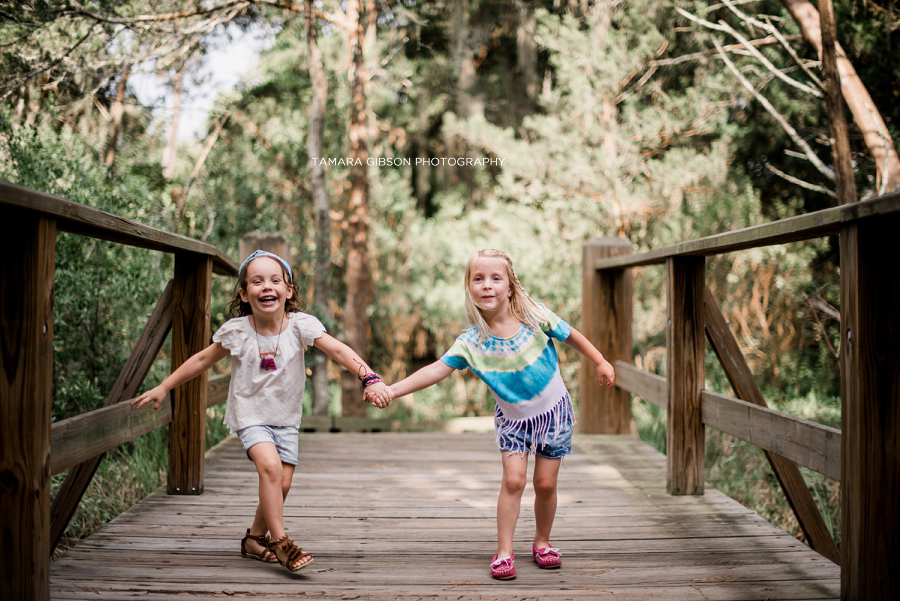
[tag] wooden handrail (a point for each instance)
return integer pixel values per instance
(35, 446)
(80, 219)
(648, 386)
(806, 443)
(87, 435)
(864, 457)
(802, 227)
(84, 436)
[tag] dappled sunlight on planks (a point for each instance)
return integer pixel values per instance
(408, 516)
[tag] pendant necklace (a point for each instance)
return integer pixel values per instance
(268, 363)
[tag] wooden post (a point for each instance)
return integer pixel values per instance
(190, 334)
(685, 374)
(606, 322)
(26, 400)
(870, 409)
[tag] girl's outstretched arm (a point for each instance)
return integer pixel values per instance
(423, 378)
(577, 341)
(378, 393)
(190, 369)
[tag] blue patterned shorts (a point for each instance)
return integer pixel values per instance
(521, 441)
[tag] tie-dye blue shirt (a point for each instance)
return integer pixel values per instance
(522, 371)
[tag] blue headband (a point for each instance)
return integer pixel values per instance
(264, 253)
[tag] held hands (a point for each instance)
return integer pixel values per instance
(154, 394)
(379, 394)
(605, 370)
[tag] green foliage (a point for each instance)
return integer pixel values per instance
(102, 295)
(102, 290)
(650, 423)
(608, 142)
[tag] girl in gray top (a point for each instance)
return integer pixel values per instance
(266, 344)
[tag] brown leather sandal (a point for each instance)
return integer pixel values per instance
(288, 554)
(266, 555)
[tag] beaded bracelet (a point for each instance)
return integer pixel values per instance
(369, 379)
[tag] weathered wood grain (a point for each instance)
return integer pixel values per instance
(804, 442)
(190, 335)
(407, 516)
(126, 386)
(79, 438)
(217, 389)
(802, 227)
(606, 322)
(782, 437)
(85, 436)
(26, 398)
(685, 369)
(81, 219)
(870, 409)
(650, 387)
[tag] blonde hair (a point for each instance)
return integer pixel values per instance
(522, 306)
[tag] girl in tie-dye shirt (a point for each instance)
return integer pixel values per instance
(509, 345)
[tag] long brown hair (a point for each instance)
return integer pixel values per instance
(522, 306)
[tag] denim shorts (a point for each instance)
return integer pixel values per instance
(521, 441)
(283, 437)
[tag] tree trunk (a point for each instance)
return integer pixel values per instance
(356, 322)
(837, 124)
(526, 54)
(601, 16)
(322, 219)
(865, 115)
(172, 146)
(116, 113)
(466, 104)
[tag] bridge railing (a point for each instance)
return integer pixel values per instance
(31, 449)
(864, 455)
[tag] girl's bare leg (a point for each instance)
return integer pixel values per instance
(270, 511)
(260, 526)
(274, 484)
(546, 474)
(515, 466)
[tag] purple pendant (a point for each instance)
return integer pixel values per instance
(268, 364)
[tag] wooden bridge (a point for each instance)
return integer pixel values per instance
(412, 515)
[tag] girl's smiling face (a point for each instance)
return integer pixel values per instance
(267, 290)
(489, 285)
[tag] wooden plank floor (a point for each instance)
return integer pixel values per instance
(412, 515)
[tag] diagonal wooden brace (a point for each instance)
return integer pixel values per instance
(126, 387)
(787, 472)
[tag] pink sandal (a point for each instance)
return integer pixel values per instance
(503, 569)
(547, 558)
